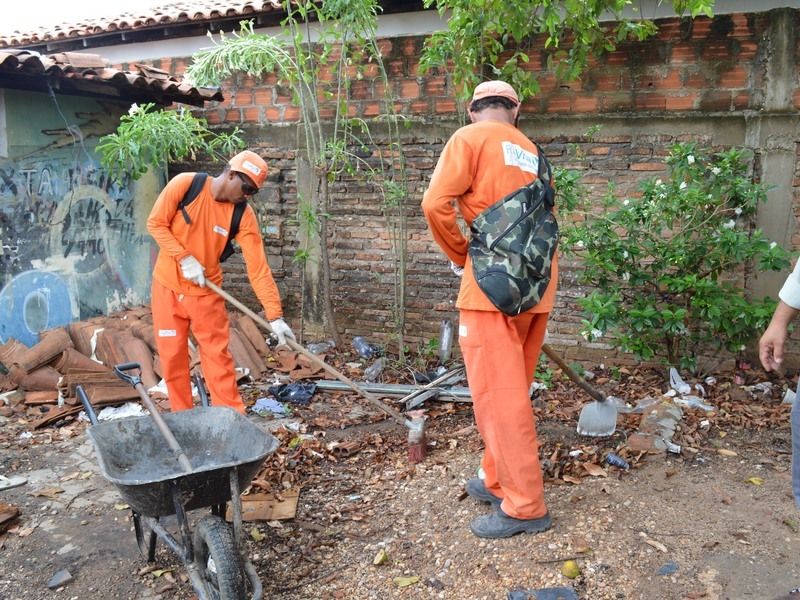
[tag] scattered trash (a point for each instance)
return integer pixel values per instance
(556, 593)
(711, 381)
(380, 558)
(319, 348)
(7, 483)
(267, 406)
(678, 384)
(372, 372)
(693, 402)
(445, 340)
(739, 379)
(617, 461)
(765, 387)
(754, 480)
(700, 389)
(668, 568)
(670, 447)
(60, 579)
(110, 413)
(299, 393)
(364, 348)
(788, 396)
(641, 406)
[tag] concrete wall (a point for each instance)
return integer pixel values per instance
(727, 81)
(73, 244)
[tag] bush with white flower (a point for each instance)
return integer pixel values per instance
(668, 268)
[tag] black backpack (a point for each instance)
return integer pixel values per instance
(198, 182)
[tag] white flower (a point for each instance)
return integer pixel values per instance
(742, 348)
(134, 109)
(690, 159)
(579, 244)
(683, 185)
(624, 254)
(729, 225)
(626, 202)
(772, 245)
(658, 182)
(716, 170)
(738, 210)
(596, 333)
(626, 276)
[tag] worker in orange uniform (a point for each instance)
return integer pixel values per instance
(481, 164)
(190, 246)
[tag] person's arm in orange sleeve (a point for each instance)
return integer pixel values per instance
(258, 271)
(158, 223)
(452, 177)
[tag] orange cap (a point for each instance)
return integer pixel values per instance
(252, 165)
(489, 89)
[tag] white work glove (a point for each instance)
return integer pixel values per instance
(193, 270)
(459, 271)
(281, 331)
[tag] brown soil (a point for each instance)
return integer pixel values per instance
(724, 523)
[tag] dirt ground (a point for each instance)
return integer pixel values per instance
(716, 521)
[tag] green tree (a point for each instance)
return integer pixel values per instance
(320, 73)
(668, 268)
(493, 39)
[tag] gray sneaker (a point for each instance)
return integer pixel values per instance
(477, 490)
(500, 525)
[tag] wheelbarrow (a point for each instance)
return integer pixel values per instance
(171, 464)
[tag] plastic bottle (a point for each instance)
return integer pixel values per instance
(319, 348)
(616, 461)
(445, 340)
(364, 348)
(372, 372)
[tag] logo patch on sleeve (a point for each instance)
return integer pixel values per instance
(220, 230)
(167, 333)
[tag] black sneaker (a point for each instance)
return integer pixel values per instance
(477, 490)
(500, 525)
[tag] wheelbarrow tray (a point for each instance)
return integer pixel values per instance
(134, 456)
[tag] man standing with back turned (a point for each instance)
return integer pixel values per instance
(191, 239)
(481, 164)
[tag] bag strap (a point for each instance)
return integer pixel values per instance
(545, 174)
(197, 185)
(236, 219)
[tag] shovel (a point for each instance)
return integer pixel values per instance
(598, 418)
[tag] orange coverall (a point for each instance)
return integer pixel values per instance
(178, 303)
(480, 165)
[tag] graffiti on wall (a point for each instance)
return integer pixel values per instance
(71, 247)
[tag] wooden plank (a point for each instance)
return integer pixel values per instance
(265, 507)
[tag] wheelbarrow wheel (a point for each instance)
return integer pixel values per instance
(217, 558)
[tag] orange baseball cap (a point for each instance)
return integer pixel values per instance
(252, 165)
(489, 89)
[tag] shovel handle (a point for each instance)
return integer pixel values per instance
(556, 358)
(163, 428)
(311, 356)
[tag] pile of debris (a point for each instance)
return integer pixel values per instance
(47, 375)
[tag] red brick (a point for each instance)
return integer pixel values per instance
(558, 105)
(243, 98)
(251, 115)
(408, 88)
(233, 116)
(647, 166)
(587, 104)
(445, 105)
(650, 101)
(262, 96)
(683, 53)
(735, 78)
(272, 113)
(681, 102)
(291, 113)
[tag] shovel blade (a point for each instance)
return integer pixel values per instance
(598, 419)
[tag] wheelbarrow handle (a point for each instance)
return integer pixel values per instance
(132, 379)
(87, 406)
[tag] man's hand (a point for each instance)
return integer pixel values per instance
(193, 270)
(459, 271)
(281, 330)
(770, 347)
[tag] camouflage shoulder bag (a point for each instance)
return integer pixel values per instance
(513, 243)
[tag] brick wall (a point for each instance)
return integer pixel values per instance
(707, 80)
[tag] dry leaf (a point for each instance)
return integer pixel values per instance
(754, 480)
(696, 595)
(594, 470)
(711, 544)
(725, 452)
(571, 479)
